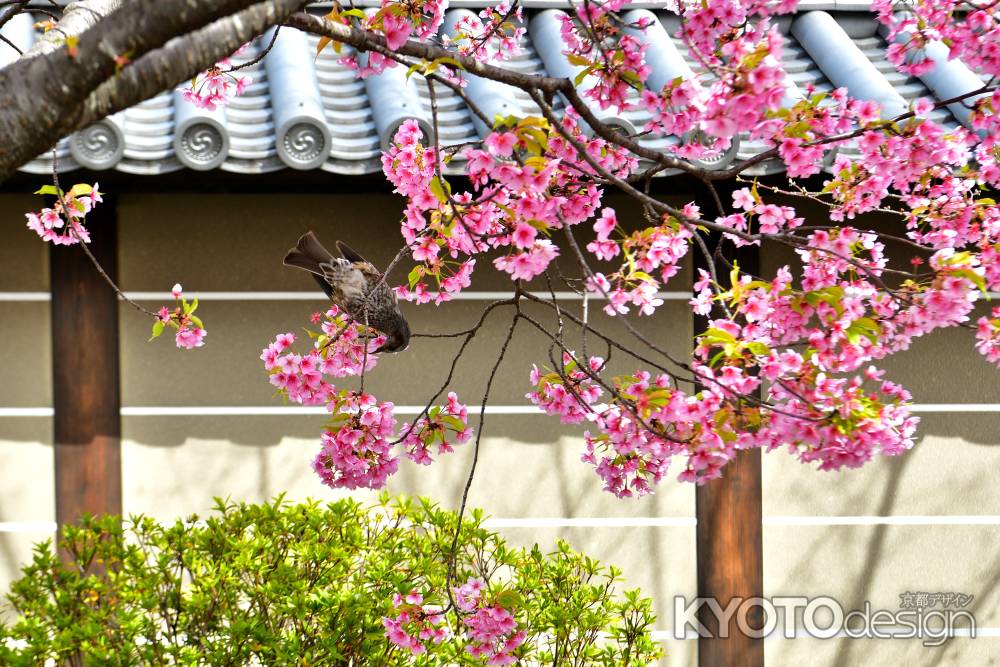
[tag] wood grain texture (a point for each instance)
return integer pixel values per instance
(85, 377)
(730, 550)
(730, 560)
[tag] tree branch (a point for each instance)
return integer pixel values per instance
(40, 93)
(181, 59)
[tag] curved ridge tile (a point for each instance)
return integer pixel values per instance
(348, 113)
(394, 99)
(100, 146)
(829, 45)
(301, 135)
(948, 79)
(667, 63)
(492, 97)
(249, 120)
(544, 28)
(201, 139)
(149, 135)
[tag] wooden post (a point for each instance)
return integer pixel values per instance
(85, 382)
(730, 561)
(729, 538)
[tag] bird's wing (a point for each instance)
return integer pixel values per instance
(349, 253)
(347, 282)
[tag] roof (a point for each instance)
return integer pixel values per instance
(308, 112)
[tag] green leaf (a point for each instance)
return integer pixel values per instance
(438, 188)
(48, 190)
(453, 422)
(578, 79)
(509, 599)
(413, 277)
(80, 189)
(451, 62)
(158, 326)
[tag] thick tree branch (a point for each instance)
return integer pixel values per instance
(77, 17)
(40, 95)
(181, 59)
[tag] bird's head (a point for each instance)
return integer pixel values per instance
(398, 335)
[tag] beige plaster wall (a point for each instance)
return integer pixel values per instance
(529, 465)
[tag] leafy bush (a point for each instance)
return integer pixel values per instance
(307, 584)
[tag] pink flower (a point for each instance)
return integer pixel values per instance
(743, 199)
(397, 30)
(605, 224)
(922, 107)
(176, 290)
(189, 338)
(501, 143)
(524, 235)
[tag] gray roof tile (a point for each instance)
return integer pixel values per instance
(306, 111)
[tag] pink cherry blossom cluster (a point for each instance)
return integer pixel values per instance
(569, 392)
(527, 182)
(339, 351)
(437, 429)
(357, 449)
(397, 22)
(63, 223)
(709, 27)
(770, 218)
(738, 45)
(491, 628)
(415, 623)
(971, 32)
(784, 362)
(214, 87)
(494, 35)
(614, 58)
(988, 336)
(653, 250)
(189, 330)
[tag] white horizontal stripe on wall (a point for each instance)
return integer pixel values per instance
(27, 412)
(292, 410)
(288, 410)
(25, 296)
(902, 520)
(318, 296)
(594, 522)
(617, 523)
(27, 526)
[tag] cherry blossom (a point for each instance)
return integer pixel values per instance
(63, 223)
(189, 330)
(491, 628)
(214, 87)
(414, 623)
(360, 447)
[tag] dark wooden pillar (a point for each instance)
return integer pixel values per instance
(85, 381)
(730, 561)
(729, 538)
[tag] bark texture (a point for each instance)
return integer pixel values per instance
(48, 93)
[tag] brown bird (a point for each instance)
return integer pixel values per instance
(355, 285)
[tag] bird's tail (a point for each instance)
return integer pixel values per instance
(308, 254)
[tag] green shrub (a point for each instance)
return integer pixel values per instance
(307, 584)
